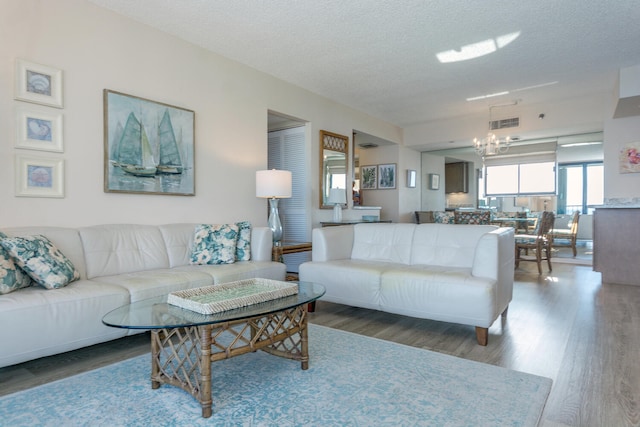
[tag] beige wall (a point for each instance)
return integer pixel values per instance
(97, 49)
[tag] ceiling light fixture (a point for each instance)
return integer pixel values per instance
(491, 144)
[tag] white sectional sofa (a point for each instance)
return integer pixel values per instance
(452, 273)
(118, 264)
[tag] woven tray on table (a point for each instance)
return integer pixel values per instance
(227, 296)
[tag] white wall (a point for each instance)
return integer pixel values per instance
(409, 198)
(97, 49)
(432, 200)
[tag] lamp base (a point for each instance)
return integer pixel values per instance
(274, 221)
(337, 213)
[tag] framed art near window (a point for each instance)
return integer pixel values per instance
(38, 83)
(148, 146)
(39, 129)
(387, 176)
(39, 176)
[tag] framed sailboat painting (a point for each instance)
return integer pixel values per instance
(148, 146)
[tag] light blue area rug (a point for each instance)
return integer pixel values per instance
(352, 381)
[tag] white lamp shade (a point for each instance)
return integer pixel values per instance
(337, 196)
(273, 184)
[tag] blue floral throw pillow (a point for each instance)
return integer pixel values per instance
(443, 217)
(41, 260)
(215, 244)
(243, 245)
(12, 277)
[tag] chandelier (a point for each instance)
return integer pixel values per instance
(491, 144)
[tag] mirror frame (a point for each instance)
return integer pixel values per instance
(332, 142)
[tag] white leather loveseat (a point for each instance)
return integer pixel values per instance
(118, 264)
(452, 273)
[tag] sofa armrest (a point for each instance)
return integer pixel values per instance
(494, 258)
(494, 251)
(331, 243)
(261, 243)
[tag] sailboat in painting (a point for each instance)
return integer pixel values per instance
(169, 155)
(133, 152)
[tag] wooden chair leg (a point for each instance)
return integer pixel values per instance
(539, 258)
(573, 247)
(482, 335)
(549, 257)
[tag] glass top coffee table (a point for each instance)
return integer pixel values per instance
(184, 343)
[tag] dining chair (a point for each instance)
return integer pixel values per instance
(540, 242)
(561, 235)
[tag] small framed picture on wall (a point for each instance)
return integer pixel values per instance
(39, 176)
(387, 176)
(411, 178)
(39, 128)
(38, 83)
(434, 181)
(368, 177)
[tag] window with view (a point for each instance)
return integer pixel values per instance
(580, 187)
(520, 179)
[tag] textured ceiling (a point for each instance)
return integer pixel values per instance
(379, 56)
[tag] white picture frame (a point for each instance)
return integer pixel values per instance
(39, 129)
(38, 83)
(434, 181)
(39, 176)
(411, 178)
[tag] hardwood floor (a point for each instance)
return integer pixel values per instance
(566, 325)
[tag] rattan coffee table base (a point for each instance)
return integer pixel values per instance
(182, 357)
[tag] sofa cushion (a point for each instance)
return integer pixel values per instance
(178, 239)
(12, 277)
(214, 244)
(447, 244)
(152, 283)
(223, 273)
(351, 282)
(383, 242)
(447, 294)
(41, 260)
(123, 248)
(243, 243)
(38, 322)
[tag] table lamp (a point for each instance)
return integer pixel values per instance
(337, 197)
(273, 185)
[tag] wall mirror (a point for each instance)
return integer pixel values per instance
(334, 152)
